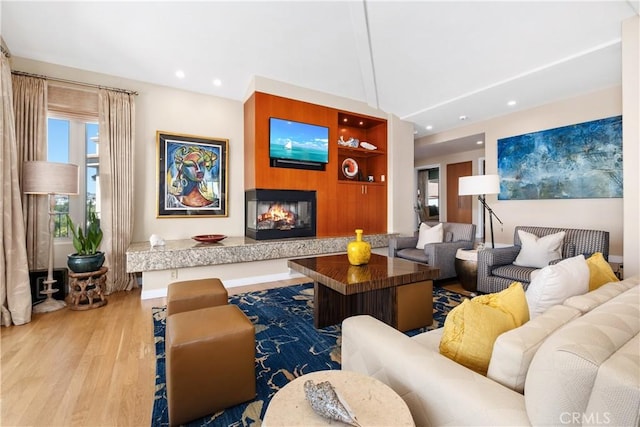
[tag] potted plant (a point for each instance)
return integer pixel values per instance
(87, 257)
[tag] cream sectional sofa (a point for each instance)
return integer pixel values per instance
(578, 363)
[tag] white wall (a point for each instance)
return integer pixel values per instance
(601, 214)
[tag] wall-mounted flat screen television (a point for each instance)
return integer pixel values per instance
(296, 144)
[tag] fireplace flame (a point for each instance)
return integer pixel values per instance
(279, 216)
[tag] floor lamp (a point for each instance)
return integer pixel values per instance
(481, 185)
(49, 178)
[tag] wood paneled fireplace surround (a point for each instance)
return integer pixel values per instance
(343, 202)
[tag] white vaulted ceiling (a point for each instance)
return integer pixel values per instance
(427, 62)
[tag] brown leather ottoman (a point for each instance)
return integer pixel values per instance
(210, 361)
(195, 294)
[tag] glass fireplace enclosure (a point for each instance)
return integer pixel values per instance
(280, 214)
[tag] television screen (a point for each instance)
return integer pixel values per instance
(289, 140)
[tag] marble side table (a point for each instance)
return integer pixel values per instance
(86, 290)
(373, 402)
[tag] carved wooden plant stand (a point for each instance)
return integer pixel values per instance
(86, 290)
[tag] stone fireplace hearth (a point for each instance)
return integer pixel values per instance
(280, 214)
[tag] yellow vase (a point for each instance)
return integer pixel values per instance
(358, 251)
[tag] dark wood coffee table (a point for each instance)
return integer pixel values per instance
(393, 290)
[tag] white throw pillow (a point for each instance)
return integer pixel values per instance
(539, 251)
(555, 283)
(429, 235)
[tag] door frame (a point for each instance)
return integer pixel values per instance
(415, 188)
(464, 212)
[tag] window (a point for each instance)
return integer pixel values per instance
(75, 141)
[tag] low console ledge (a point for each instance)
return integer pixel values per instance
(187, 253)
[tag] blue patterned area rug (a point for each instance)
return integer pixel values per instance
(287, 346)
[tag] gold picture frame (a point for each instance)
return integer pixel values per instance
(192, 175)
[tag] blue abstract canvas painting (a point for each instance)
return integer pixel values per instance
(581, 161)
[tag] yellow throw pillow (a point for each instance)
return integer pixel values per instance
(472, 327)
(511, 300)
(600, 272)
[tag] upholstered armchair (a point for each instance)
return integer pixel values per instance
(440, 255)
(496, 268)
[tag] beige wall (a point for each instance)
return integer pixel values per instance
(173, 110)
(602, 214)
(162, 108)
(401, 217)
(274, 87)
(631, 145)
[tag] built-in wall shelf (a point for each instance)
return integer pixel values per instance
(337, 213)
(371, 164)
(361, 152)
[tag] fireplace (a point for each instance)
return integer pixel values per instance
(280, 214)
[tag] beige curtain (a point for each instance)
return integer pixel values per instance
(30, 111)
(15, 292)
(116, 121)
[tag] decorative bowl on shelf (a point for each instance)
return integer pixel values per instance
(209, 238)
(368, 146)
(350, 168)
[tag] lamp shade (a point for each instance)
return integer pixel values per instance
(40, 177)
(478, 184)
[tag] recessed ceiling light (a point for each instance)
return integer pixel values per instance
(180, 74)
(217, 82)
(463, 117)
(429, 127)
(511, 103)
(480, 142)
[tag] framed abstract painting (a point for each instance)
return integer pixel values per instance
(192, 175)
(581, 161)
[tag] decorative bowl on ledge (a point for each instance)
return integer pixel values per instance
(209, 238)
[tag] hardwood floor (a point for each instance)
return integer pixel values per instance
(454, 286)
(85, 368)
